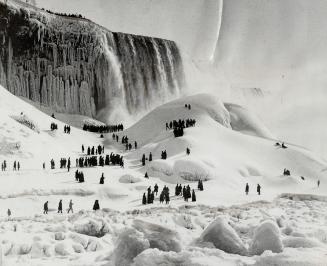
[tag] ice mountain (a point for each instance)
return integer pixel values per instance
(76, 66)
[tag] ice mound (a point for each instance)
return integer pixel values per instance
(300, 242)
(158, 236)
(192, 170)
(130, 243)
(223, 237)
(129, 179)
(91, 227)
(266, 237)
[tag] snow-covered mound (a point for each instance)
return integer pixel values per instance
(229, 146)
(266, 237)
(223, 237)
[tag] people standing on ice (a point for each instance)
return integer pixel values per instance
(68, 164)
(150, 157)
(149, 195)
(45, 208)
(70, 206)
(161, 197)
(156, 188)
(146, 175)
(18, 166)
(189, 107)
(143, 159)
(9, 213)
(318, 183)
(188, 151)
(102, 179)
(43, 165)
(82, 148)
(14, 167)
(247, 188)
(60, 206)
(144, 199)
(193, 196)
(200, 185)
(96, 205)
(258, 189)
(135, 145)
(167, 198)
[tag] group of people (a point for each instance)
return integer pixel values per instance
(67, 129)
(103, 129)
(185, 192)
(164, 155)
(79, 176)
(70, 207)
(181, 123)
(16, 166)
(65, 163)
(282, 145)
(188, 106)
(286, 172)
(53, 126)
(247, 189)
(93, 150)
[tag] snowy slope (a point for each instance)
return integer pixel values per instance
(220, 154)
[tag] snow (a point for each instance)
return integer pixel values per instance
(224, 237)
(266, 237)
(223, 154)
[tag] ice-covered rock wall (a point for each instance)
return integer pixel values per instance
(74, 65)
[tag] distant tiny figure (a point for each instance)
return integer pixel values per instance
(247, 188)
(70, 206)
(53, 116)
(96, 205)
(189, 107)
(60, 207)
(18, 166)
(146, 175)
(102, 179)
(258, 189)
(188, 151)
(318, 183)
(284, 146)
(302, 177)
(135, 145)
(45, 208)
(143, 160)
(43, 166)
(277, 144)
(82, 148)
(193, 196)
(144, 199)
(150, 157)
(9, 213)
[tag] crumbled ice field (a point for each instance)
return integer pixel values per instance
(286, 225)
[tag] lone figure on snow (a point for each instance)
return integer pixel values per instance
(45, 208)
(70, 206)
(247, 188)
(96, 205)
(258, 189)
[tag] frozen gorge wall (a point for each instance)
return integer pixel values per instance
(74, 65)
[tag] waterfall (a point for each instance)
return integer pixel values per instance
(76, 66)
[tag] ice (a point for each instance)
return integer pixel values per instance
(158, 236)
(266, 237)
(130, 243)
(91, 227)
(224, 237)
(129, 179)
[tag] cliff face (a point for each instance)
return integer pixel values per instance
(76, 66)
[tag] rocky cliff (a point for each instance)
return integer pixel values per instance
(74, 65)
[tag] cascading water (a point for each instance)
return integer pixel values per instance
(75, 66)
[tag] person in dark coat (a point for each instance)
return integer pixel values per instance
(102, 179)
(146, 175)
(193, 196)
(188, 151)
(96, 205)
(150, 157)
(258, 189)
(318, 183)
(135, 145)
(161, 197)
(247, 188)
(144, 199)
(45, 208)
(60, 207)
(156, 188)
(143, 159)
